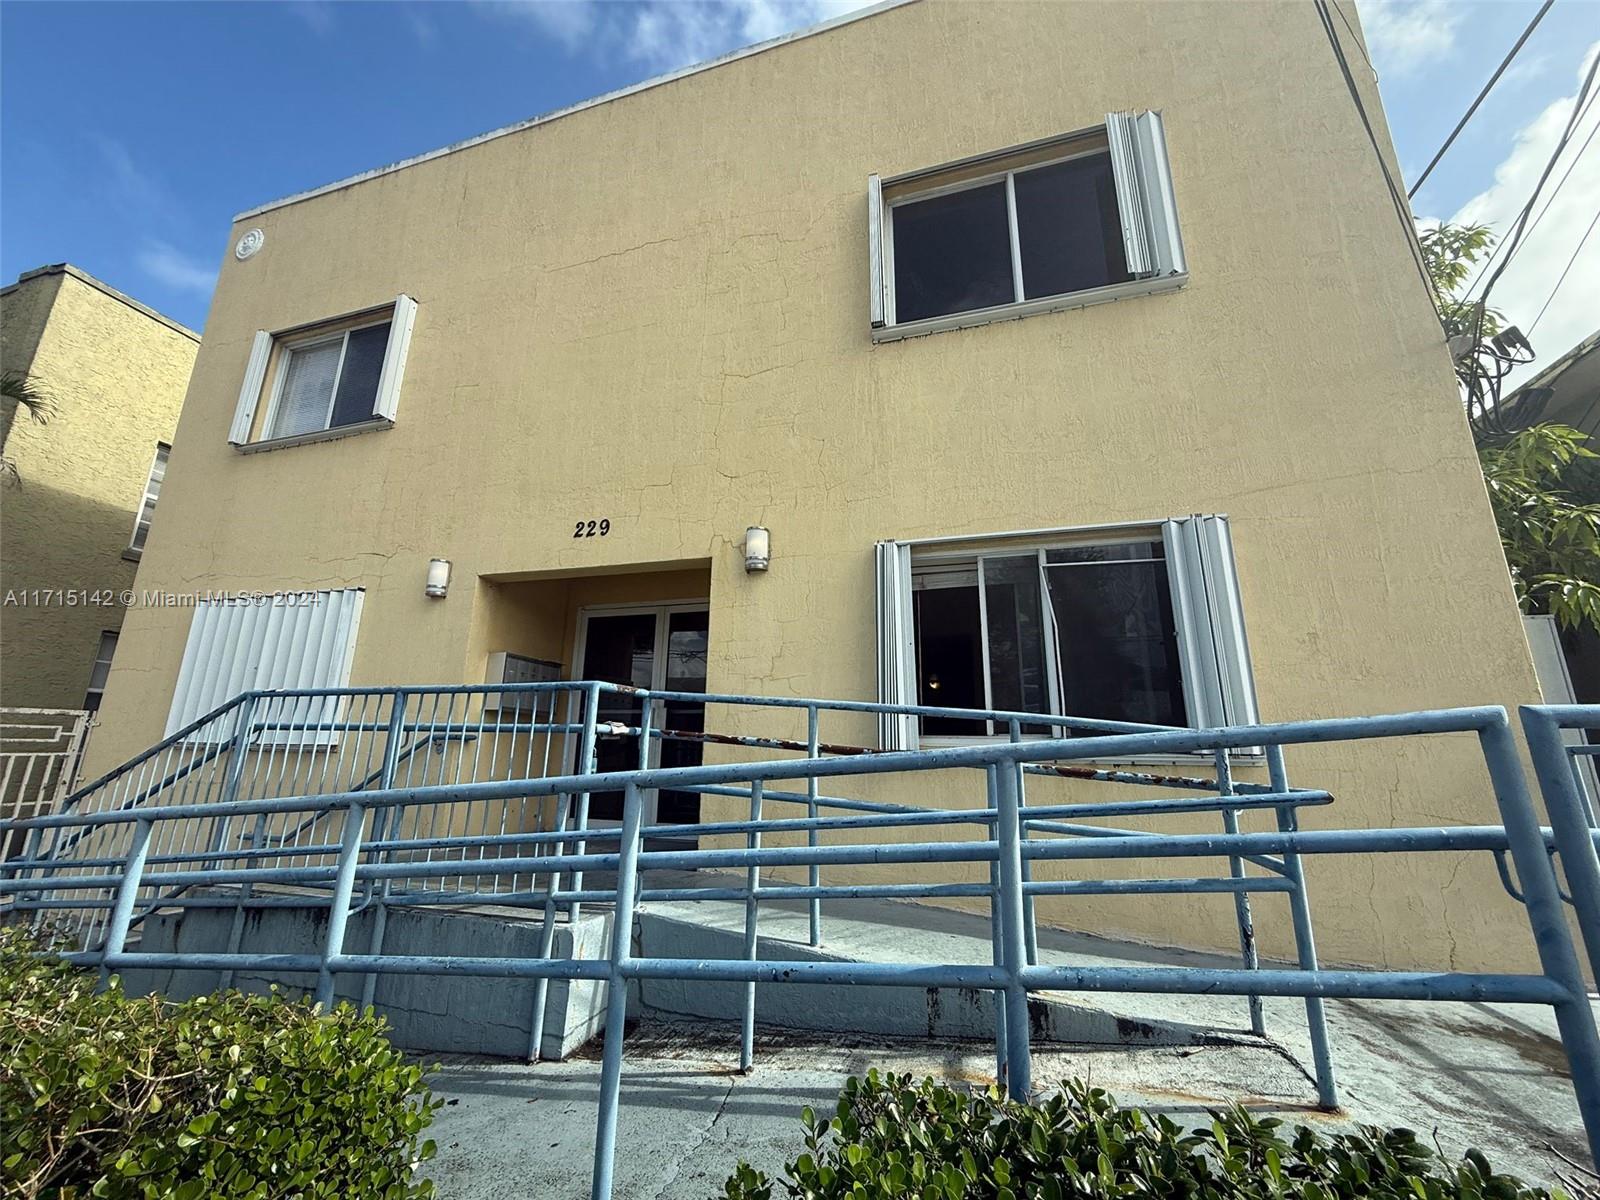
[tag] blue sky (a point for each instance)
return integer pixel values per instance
(130, 133)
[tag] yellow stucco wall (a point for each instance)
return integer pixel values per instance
(117, 374)
(654, 310)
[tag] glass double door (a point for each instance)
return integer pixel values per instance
(660, 648)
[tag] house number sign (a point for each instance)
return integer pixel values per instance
(588, 529)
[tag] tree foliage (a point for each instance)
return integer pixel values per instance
(1450, 252)
(20, 391)
(1551, 540)
(249, 1097)
(891, 1139)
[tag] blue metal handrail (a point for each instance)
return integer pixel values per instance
(1003, 843)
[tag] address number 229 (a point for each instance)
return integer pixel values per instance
(588, 529)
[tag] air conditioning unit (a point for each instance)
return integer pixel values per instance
(505, 667)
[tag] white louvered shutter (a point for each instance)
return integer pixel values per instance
(877, 273)
(387, 401)
(1219, 683)
(296, 641)
(1146, 202)
(897, 651)
(255, 375)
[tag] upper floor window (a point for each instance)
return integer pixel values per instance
(1057, 224)
(100, 671)
(338, 376)
(147, 505)
(1140, 625)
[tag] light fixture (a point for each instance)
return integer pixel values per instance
(438, 577)
(757, 548)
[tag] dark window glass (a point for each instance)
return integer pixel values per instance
(952, 253)
(1068, 224)
(688, 642)
(618, 649)
(949, 656)
(1015, 610)
(1116, 636)
(358, 377)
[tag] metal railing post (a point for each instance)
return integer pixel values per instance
(547, 935)
(127, 895)
(1304, 939)
(996, 937)
(1013, 943)
(752, 916)
(605, 1139)
(1241, 900)
(385, 818)
(1032, 926)
(344, 886)
(1541, 896)
(814, 872)
(231, 781)
(1568, 821)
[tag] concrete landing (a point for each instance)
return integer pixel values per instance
(1490, 1077)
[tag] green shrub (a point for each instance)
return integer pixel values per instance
(892, 1139)
(253, 1097)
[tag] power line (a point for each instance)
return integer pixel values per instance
(1401, 208)
(1520, 228)
(1564, 271)
(1493, 79)
(1548, 204)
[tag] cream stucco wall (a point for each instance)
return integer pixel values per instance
(117, 373)
(654, 310)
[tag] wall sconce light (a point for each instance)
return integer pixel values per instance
(438, 577)
(757, 548)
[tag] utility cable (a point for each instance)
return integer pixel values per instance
(1493, 79)
(1401, 207)
(1564, 272)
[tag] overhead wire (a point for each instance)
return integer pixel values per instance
(1473, 107)
(1401, 206)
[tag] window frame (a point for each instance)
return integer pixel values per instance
(1136, 144)
(98, 694)
(1215, 664)
(1039, 548)
(147, 502)
(261, 387)
(285, 349)
(1018, 282)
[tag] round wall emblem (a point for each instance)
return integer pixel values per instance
(249, 244)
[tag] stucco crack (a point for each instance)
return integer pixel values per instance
(611, 254)
(693, 1151)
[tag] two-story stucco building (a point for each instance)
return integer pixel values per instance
(77, 506)
(1074, 357)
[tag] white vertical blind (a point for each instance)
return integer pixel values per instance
(255, 375)
(387, 402)
(289, 641)
(306, 392)
(897, 649)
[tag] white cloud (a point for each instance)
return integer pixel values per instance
(1562, 222)
(664, 34)
(1403, 36)
(317, 14)
(423, 29)
(167, 264)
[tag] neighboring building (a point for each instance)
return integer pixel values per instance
(74, 517)
(1567, 392)
(579, 356)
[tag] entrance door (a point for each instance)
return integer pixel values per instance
(662, 648)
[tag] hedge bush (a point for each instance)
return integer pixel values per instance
(891, 1139)
(248, 1097)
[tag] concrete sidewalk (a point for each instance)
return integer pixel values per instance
(1486, 1076)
